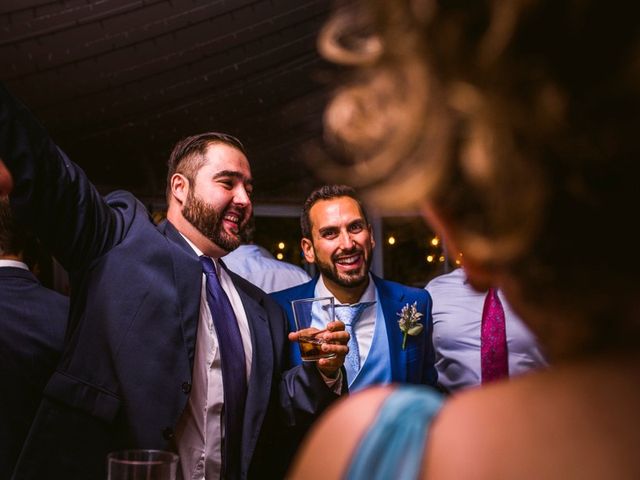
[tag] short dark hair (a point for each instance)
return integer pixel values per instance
(16, 239)
(187, 155)
(326, 192)
(11, 235)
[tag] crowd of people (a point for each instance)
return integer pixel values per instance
(511, 126)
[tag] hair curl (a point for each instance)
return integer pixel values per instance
(517, 120)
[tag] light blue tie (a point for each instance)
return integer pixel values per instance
(349, 315)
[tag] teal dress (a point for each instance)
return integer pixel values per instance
(394, 445)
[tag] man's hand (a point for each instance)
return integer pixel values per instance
(336, 340)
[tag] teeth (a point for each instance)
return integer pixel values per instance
(232, 218)
(349, 260)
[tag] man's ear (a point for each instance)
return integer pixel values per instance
(179, 187)
(479, 276)
(373, 240)
(307, 250)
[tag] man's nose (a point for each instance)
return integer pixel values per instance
(241, 196)
(346, 242)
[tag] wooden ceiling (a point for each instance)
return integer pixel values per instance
(118, 82)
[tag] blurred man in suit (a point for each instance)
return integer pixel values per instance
(166, 348)
(32, 321)
(337, 237)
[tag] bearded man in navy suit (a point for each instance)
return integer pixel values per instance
(142, 365)
(337, 237)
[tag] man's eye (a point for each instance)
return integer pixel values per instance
(356, 228)
(328, 234)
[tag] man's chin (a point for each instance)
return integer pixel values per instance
(226, 243)
(352, 281)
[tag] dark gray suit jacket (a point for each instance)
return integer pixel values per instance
(32, 324)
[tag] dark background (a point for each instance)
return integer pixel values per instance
(118, 82)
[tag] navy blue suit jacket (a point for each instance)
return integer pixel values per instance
(125, 375)
(414, 364)
(32, 321)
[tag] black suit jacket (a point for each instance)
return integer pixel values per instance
(32, 321)
(124, 378)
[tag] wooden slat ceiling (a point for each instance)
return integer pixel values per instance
(118, 82)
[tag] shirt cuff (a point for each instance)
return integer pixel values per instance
(334, 384)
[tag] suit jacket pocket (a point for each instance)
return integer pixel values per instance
(79, 394)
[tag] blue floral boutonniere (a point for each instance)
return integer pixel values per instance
(410, 322)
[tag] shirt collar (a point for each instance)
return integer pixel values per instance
(369, 295)
(200, 253)
(14, 264)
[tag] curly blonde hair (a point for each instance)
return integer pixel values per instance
(516, 120)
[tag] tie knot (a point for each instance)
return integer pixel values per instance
(492, 301)
(349, 314)
(207, 265)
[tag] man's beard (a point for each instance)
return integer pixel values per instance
(352, 279)
(208, 221)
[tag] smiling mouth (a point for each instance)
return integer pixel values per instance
(233, 219)
(349, 261)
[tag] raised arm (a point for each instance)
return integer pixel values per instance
(49, 192)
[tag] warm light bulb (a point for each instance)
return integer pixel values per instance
(441, 259)
(435, 241)
(281, 245)
(429, 258)
(391, 240)
(279, 256)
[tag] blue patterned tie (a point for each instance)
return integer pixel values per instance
(349, 315)
(234, 375)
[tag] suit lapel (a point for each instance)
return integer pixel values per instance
(262, 363)
(391, 303)
(188, 274)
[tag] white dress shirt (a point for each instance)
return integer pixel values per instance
(200, 429)
(366, 325)
(256, 265)
(457, 317)
(13, 263)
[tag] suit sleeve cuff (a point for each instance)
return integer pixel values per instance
(334, 384)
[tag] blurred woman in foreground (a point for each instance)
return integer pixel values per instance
(515, 127)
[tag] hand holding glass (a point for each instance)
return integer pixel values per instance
(312, 316)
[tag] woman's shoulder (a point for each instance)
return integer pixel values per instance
(363, 421)
(536, 426)
(330, 444)
(477, 425)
